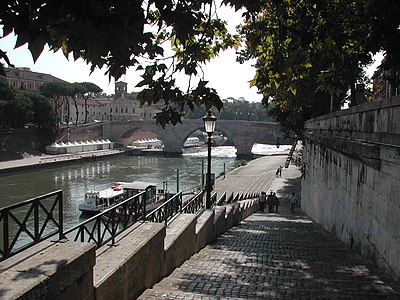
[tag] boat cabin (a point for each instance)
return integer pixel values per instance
(136, 187)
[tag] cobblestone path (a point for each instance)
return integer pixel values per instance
(275, 256)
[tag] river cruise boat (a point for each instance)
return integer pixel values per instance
(97, 201)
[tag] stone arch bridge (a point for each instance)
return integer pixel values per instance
(243, 134)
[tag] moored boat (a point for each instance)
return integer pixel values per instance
(97, 201)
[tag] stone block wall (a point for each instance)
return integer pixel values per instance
(351, 179)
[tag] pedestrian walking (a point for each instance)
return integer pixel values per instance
(277, 172)
(276, 202)
(262, 200)
(280, 171)
(270, 202)
(292, 202)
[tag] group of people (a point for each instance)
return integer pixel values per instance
(272, 202)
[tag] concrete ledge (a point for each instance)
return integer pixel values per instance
(49, 270)
(180, 241)
(136, 263)
(253, 206)
(229, 216)
(219, 220)
(205, 231)
(236, 213)
(244, 209)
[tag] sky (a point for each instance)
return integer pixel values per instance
(224, 74)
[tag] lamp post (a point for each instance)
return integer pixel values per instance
(209, 127)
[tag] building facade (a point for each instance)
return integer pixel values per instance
(25, 79)
(119, 107)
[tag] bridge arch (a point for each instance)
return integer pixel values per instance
(242, 133)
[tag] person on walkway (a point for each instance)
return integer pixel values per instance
(292, 202)
(276, 202)
(262, 200)
(280, 171)
(270, 202)
(277, 172)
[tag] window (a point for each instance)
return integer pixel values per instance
(133, 110)
(111, 110)
(126, 110)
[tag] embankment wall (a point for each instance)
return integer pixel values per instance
(351, 178)
(141, 257)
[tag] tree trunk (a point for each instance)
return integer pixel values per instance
(86, 110)
(76, 112)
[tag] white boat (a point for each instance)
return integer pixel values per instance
(192, 142)
(97, 201)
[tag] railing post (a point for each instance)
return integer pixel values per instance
(6, 236)
(36, 220)
(61, 215)
(144, 201)
(112, 228)
(180, 202)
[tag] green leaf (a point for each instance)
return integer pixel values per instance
(36, 47)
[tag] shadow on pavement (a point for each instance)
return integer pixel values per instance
(282, 256)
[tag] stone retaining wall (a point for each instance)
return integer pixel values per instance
(142, 256)
(351, 178)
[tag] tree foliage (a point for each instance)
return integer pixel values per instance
(87, 90)
(57, 92)
(123, 34)
(306, 50)
(235, 109)
(19, 108)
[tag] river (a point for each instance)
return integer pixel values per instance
(75, 180)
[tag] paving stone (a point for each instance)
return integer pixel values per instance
(303, 265)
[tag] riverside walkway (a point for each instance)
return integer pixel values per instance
(274, 255)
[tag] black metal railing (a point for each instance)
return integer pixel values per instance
(29, 222)
(105, 226)
(221, 200)
(167, 210)
(195, 204)
(213, 199)
(40, 218)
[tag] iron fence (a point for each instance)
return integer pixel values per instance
(221, 200)
(195, 204)
(40, 218)
(105, 226)
(167, 210)
(29, 222)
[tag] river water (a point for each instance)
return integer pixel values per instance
(75, 180)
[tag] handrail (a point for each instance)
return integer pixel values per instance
(193, 189)
(105, 226)
(221, 200)
(213, 199)
(167, 210)
(195, 204)
(27, 213)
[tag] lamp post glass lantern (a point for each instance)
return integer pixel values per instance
(209, 127)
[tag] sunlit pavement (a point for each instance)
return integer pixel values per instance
(275, 256)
